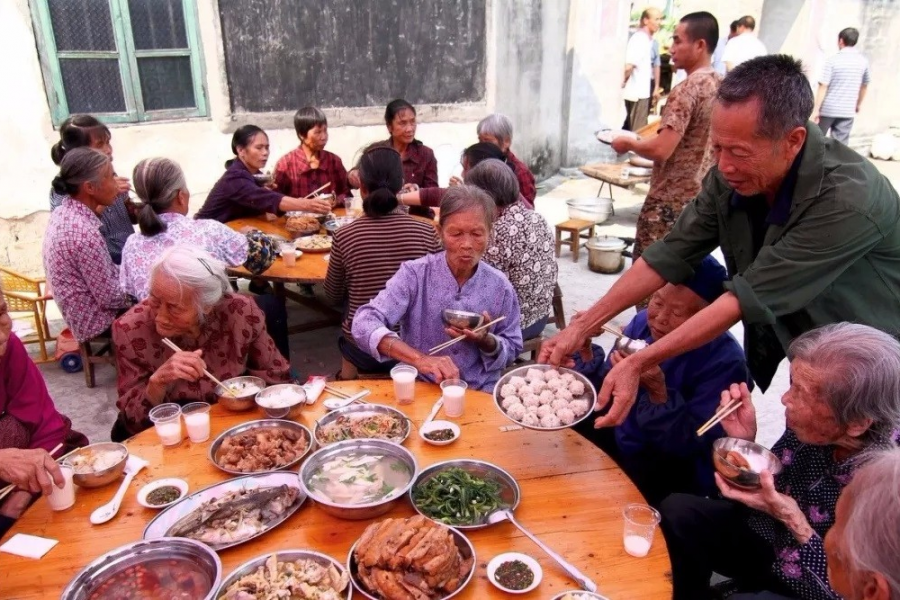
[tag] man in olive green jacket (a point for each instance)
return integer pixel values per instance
(810, 231)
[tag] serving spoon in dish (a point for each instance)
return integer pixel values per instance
(109, 510)
(504, 514)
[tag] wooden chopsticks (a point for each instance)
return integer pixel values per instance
(175, 348)
(455, 340)
(316, 191)
(723, 412)
(6, 490)
(613, 330)
(336, 392)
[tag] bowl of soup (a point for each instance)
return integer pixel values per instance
(358, 479)
(98, 464)
(149, 569)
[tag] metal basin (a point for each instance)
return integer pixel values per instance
(102, 477)
(360, 411)
(254, 426)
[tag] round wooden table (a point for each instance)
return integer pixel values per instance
(572, 498)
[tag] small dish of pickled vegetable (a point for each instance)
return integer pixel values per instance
(162, 492)
(439, 433)
(514, 572)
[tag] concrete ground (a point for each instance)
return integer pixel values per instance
(93, 410)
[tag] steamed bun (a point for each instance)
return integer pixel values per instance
(509, 401)
(576, 388)
(507, 390)
(550, 421)
(565, 416)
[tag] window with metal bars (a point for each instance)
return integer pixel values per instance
(126, 61)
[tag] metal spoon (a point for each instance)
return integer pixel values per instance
(336, 403)
(504, 514)
(106, 512)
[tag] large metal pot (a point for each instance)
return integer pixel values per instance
(606, 254)
(590, 209)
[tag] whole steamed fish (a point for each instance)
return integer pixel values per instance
(236, 516)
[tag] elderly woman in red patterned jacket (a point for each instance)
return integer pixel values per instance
(190, 303)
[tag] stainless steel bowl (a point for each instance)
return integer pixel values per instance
(358, 512)
(240, 401)
(284, 411)
(759, 458)
(358, 411)
(89, 580)
(461, 319)
(580, 594)
(333, 225)
(104, 476)
(590, 394)
(258, 425)
(509, 487)
(466, 549)
(302, 213)
(281, 555)
(590, 209)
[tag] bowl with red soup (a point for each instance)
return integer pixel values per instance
(159, 569)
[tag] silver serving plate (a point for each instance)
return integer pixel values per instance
(466, 549)
(336, 223)
(590, 394)
(164, 521)
(359, 411)
(260, 424)
(115, 561)
(581, 594)
(509, 492)
(282, 555)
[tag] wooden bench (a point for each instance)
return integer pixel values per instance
(575, 229)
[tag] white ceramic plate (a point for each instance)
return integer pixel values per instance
(181, 484)
(434, 426)
(509, 556)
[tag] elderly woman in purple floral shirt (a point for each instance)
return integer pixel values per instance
(415, 297)
(843, 403)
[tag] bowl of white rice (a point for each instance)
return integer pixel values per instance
(545, 398)
(279, 401)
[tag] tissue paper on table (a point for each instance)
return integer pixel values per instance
(29, 546)
(314, 387)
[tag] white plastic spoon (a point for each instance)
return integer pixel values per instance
(106, 512)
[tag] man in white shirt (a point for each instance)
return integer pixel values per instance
(639, 70)
(842, 87)
(744, 45)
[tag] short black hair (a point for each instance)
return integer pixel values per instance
(476, 153)
(394, 107)
(702, 26)
(849, 36)
(733, 26)
(777, 82)
(306, 118)
(748, 22)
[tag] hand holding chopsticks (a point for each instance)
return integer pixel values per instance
(316, 191)
(32, 470)
(172, 346)
(735, 413)
(458, 339)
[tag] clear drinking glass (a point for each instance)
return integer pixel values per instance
(454, 393)
(167, 421)
(404, 377)
(640, 525)
(196, 419)
(288, 254)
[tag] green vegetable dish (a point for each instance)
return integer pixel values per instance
(455, 497)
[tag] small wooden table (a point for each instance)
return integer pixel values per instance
(572, 498)
(573, 227)
(611, 174)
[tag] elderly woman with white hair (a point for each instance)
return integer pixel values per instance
(863, 547)
(497, 129)
(190, 303)
(843, 403)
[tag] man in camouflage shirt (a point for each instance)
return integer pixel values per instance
(681, 152)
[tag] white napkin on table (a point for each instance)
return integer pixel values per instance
(29, 546)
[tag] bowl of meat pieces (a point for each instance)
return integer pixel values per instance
(260, 447)
(741, 461)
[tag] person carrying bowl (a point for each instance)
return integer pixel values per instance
(497, 129)
(361, 263)
(190, 303)
(413, 302)
(419, 162)
(863, 547)
(308, 167)
(843, 404)
(242, 191)
(116, 220)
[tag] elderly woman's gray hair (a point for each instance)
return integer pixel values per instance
(195, 270)
(859, 374)
(79, 166)
(157, 182)
(466, 198)
(496, 125)
(497, 179)
(871, 539)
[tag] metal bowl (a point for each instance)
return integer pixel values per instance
(640, 171)
(254, 425)
(759, 458)
(466, 549)
(240, 401)
(303, 213)
(596, 210)
(461, 319)
(580, 595)
(509, 487)
(361, 410)
(336, 223)
(282, 412)
(281, 555)
(639, 161)
(104, 476)
(93, 576)
(590, 394)
(358, 512)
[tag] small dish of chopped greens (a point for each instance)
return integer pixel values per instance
(462, 493)
(439, 433)
(514, 572)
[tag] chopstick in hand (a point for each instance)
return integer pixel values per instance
(455, 340)
(6, 490)
(175, 348)
(316, 191)
(612, 330)
(723, 412)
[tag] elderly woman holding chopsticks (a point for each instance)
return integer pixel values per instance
(414, 298)
(217, 332)
(843, 404)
